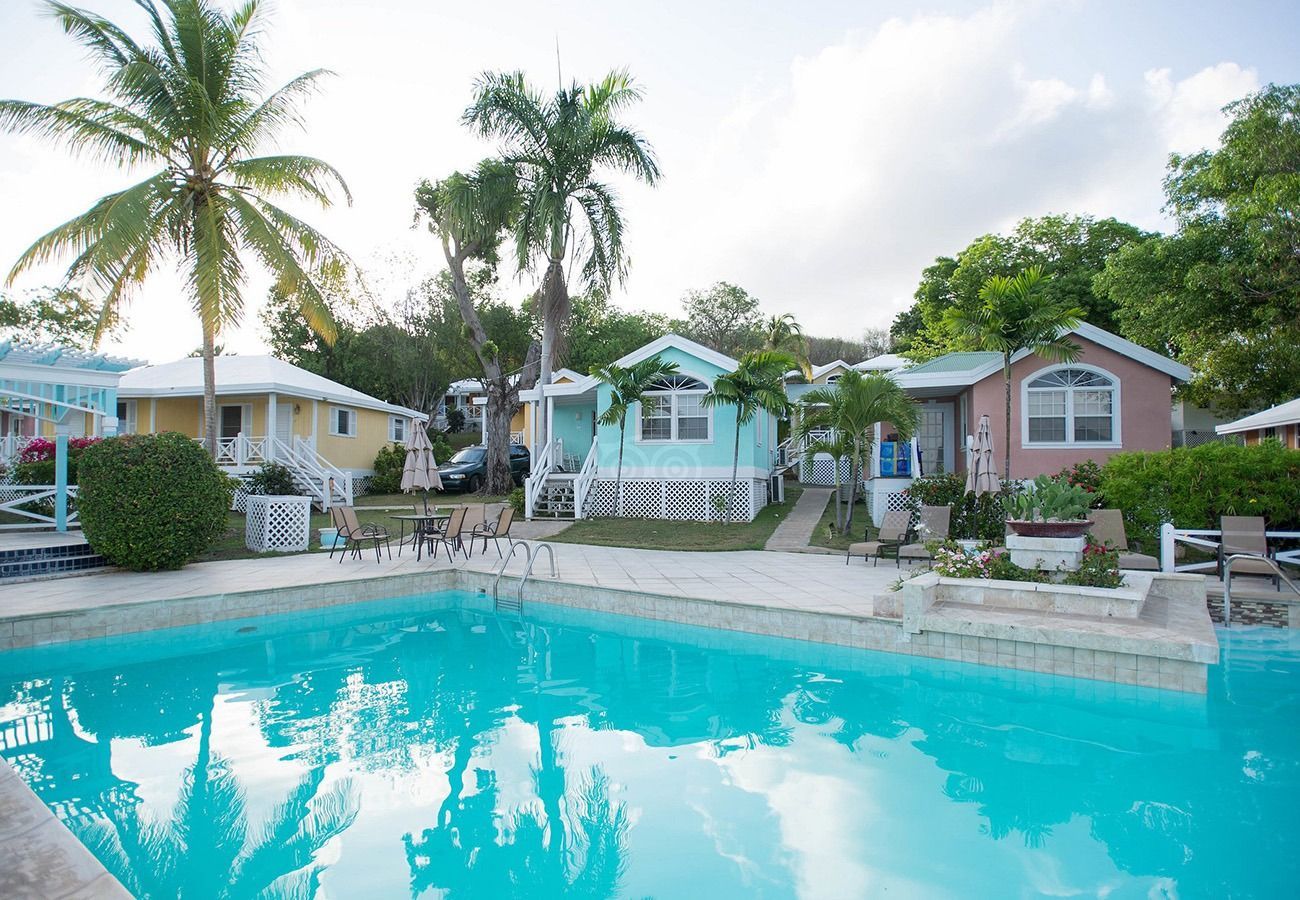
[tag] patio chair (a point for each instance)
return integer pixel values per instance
(448, 536)
(494, 531)
(935, 521)
(892, 535)
(355, 534)
(1108, 530)
(1246, 534)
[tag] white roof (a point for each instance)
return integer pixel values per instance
(587, 383)
(247, 375)
(885, 362)
(1287, 413)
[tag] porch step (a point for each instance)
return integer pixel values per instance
(37, 562)
(556, 501)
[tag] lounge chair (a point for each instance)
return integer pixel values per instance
(1246, 534)
(355, 534)
(448, 536)
(893, 534)
(935, 522)
(1108, 530)
(494, 531)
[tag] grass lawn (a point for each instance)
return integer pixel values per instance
(660, 534)
(825, 535)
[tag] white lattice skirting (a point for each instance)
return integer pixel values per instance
(697, 500)
(280, 524)
(820, 469)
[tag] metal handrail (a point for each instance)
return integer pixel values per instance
(532, 553)
(505, 561)
(1227, 580)
(528, 570)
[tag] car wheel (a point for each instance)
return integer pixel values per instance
(473, 484)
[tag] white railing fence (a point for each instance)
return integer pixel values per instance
(1209, 539)
(13, 497)
(586, 478)
(542, 465)
(13, 444)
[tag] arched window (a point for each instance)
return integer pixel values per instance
(1071, 405)
(831, 379)
(673, 410)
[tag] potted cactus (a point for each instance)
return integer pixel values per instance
(1052, 507)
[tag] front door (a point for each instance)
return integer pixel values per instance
(232, 421)
(284, 423)
(933, 439)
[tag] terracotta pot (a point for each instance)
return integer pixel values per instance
(1076, 528)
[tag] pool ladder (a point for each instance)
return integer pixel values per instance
(517, 604)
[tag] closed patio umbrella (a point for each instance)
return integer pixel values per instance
(982, 476)
(420, 472)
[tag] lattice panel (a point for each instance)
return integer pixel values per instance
(677, 499)
(820, 469)
(277, 524)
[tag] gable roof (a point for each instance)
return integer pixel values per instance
(885, 362)
(648, 351)
(1287, 413)
(247, 375)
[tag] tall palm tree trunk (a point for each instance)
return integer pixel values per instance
(735, 470)
(1006, 375)
(618, 475)
(853, 483)
(555, 303)
(210, 388)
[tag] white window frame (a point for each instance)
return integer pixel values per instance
(129, 423)
(393, 421)
(673, 397)
(1117, 437)
(334, 421)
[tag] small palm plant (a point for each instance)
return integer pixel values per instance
(627, 386)
(1014, 316)
(757, 385)
(851, 409)
(838, 447)
(189, 106)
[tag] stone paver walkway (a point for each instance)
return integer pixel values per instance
(795, 533)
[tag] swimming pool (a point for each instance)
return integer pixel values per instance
(394, 749)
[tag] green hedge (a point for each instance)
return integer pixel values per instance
(151, 501)
(392, 457)
(1193, 486)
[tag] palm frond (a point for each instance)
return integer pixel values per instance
(304, 176)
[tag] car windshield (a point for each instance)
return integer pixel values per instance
(469, 455)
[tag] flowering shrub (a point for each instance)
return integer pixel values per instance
(35, 463)
(1086, 475)
(42, 449)
(952, 561)
(1100, 568)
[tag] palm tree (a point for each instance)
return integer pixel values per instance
(627, 385)
(190, 106)
(838, 447)
(1013, 316)
(784, 333)
(851, 409)
(757, 385)
(556, 146)
(470, 214)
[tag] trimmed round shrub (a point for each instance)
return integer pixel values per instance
(151, 501)
(272, 479)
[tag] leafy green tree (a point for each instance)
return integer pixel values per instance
(190, 106)
(599, 331)
(1222, 293)
(556, 147)
(850, 411)
(822, 350)
(627, 387)
(1070, 250)
(470, 215)
(50, 315)
(1016, 314)
(756, 386)
(724, 317)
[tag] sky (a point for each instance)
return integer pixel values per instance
(820, 155)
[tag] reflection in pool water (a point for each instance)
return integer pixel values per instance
(430, 750)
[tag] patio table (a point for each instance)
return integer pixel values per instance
(438, 518)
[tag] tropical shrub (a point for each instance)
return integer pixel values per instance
(1086, 475)
(272, 479)
(1049, 500)
(1099, 568)
(1001, 568)
(151, 501)
(951, 561)
(1193, 486)
(35, 463)
(388, 469)
(975, 516)
(455, 419)
(516, 500)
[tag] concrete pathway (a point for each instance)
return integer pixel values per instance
(795, 533)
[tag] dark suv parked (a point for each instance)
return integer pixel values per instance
(467, 470)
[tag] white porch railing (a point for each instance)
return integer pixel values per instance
(586, 478)
(242, 450)
(15, 496)
(1205, 539)
(516, 437)
(542, 465)
(13, 444)
(329, 484)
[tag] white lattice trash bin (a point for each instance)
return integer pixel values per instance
(277, 523)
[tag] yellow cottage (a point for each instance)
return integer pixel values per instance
(269, 410)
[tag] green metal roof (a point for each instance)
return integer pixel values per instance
(956, 362)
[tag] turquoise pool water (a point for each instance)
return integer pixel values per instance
(421, 748)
